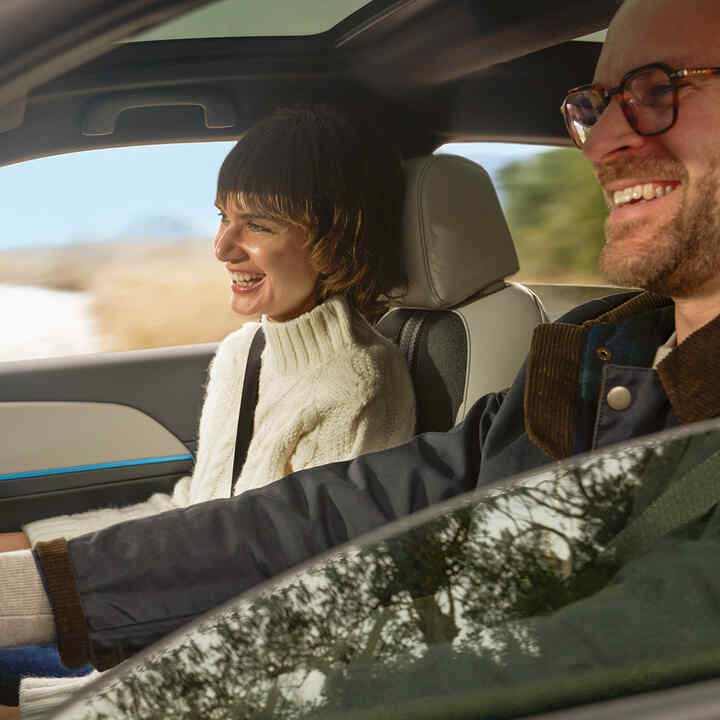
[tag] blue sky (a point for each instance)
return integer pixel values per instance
(159, 190)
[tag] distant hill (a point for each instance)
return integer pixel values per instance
(158, 227)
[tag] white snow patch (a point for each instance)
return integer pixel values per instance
(38, 322)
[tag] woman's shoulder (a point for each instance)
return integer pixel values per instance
(375, 344)
(360, 364)
(240, 337)
(376, 361)
(236, 344)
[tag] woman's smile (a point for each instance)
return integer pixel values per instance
(244, 282)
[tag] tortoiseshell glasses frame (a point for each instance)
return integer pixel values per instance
(648, 97)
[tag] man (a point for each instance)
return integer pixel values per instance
(588, 381)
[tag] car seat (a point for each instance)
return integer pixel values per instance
(463, 329)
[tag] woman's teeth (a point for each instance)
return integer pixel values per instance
(246, 279)
(649, 191)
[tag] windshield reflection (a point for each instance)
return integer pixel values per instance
(460, 612)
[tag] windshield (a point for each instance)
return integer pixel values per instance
(550, 590)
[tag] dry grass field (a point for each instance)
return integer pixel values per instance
(154, 293)
(145, 294)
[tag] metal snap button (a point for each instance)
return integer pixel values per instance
(603, 353)
(619, 398)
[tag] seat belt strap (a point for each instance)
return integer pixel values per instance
(685, 500)
(408, 339)
(408, 343)
(246, 415)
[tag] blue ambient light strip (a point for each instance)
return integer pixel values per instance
(100, 466)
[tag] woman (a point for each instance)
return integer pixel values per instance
(309, 225)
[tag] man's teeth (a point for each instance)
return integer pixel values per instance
(649, 191)
(246, 278)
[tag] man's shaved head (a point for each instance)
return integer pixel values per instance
(670, 31)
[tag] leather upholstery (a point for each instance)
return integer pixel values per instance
(456, 240)
(464, 330)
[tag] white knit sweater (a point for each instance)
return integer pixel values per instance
(331, 388)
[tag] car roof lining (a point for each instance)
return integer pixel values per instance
(429, 71)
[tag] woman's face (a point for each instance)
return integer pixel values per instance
(268, 262)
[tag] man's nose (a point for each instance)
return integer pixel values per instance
(611, 133)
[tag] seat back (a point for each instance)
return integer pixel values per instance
(463, 330)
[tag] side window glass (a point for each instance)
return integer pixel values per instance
(111, 250)
(553, 205)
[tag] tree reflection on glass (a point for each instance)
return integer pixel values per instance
(440, 607)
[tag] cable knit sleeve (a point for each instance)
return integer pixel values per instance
(200, 486)
(71, 526)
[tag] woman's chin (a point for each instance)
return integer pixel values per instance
(247, 309)
(249, 303)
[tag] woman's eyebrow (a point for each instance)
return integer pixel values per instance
(256, 216)
(249, 216)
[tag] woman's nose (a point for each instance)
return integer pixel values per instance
(228, 246)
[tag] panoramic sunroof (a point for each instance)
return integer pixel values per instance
(245, 18)
(594, 37)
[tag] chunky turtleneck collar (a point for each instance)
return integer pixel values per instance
(311, 338)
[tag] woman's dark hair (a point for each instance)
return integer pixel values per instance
(341, 182)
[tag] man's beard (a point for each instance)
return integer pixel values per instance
(683, 254)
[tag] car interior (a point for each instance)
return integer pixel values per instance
(91, 430)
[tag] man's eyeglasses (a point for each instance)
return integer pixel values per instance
(648, 98)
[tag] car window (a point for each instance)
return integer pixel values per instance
(553, 204)
(118, 241)
(112, 250)
(516, 599)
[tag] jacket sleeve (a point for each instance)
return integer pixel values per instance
(118, 590)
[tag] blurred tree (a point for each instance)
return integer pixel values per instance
(556, 212)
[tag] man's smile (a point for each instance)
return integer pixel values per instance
(634, 198)
(639, 192)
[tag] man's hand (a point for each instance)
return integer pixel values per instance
(13, 541)
(9, 713)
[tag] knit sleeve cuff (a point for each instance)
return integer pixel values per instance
(40, 697)
(72, 633)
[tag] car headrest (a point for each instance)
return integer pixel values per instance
(456, 240)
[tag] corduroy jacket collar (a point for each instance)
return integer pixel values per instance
(565, 363)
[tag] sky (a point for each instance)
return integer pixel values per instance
(150, 191)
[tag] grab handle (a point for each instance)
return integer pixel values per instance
(102, 115)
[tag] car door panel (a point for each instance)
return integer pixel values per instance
(96, 430)
(104, 488)
(79, 436)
